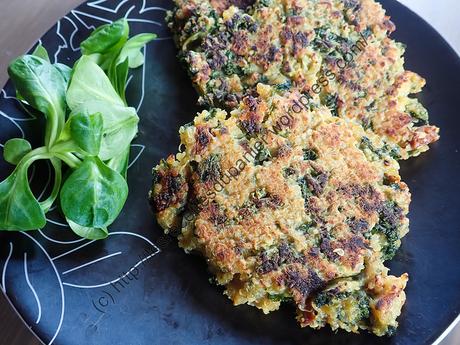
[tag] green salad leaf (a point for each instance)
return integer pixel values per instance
(41, 52)
(65, 71)
(115, 53)
(119, 77)
(106, 38)
(86, 130)
(19, 209)
(90, 83)
(120, 162)
(87, 232)
(132, 50)
(119, 126)
(89, 129)
(15, 149)
(43, 87)
(93, 195)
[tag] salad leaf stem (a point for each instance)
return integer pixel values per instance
(68, 158)
(46, 204)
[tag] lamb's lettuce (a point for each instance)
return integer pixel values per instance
(89, 128)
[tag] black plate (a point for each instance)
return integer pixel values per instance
(63, 291)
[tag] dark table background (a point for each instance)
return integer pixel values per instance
(22, 22)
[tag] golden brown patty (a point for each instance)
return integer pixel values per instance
(336, 50)
(288, 202)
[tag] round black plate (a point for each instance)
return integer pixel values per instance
(137, 287)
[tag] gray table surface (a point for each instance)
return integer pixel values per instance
(25, 21)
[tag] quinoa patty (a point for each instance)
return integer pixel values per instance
(338, 51)
(290, 203)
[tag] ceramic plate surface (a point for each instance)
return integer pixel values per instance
(137, 287)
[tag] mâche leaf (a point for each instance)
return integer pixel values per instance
(90, 83)
(88, 233)
(119, 126)
(117, 59)
(19, 209)
(120, 162)
(43, 87)
(93, 195)
(132, 50)
(41, 52)
(89, 127)
(106, 38)
(15, 149)
(65, 71)
(86, 130)
(119, 77)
